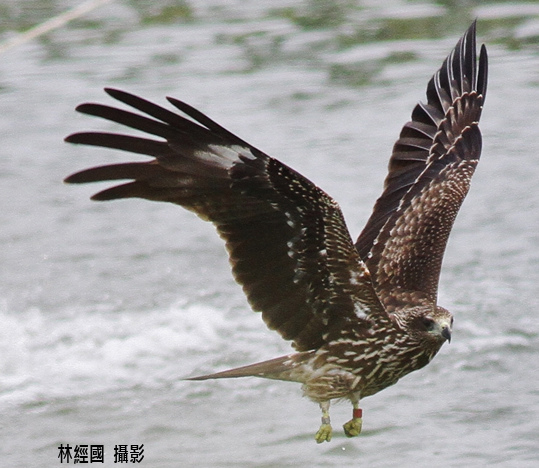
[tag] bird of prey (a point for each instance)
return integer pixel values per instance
(360, 315)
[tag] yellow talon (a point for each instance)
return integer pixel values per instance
(353, 427)
(324, 433)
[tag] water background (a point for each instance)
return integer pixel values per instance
(105, 307)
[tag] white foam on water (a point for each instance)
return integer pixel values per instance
(79, 352)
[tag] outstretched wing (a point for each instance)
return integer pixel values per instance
(429, 175)
(288, 244)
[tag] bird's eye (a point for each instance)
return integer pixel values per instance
(428, 322)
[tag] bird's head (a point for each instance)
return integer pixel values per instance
(430, 325)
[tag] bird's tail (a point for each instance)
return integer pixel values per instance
(281, 368)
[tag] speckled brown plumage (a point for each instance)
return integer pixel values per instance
(359, 316)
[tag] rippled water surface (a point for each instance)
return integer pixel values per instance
(104, 308)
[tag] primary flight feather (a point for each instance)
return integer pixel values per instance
(360, 316)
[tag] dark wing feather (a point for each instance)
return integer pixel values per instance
(287, 240)
(429, 175)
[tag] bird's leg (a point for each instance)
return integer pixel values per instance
(324, 433)
(353, 427)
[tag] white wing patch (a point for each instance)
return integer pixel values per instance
(224, 156)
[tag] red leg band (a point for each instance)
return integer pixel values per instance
(357, 413)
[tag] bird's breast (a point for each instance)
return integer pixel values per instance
(365, 367)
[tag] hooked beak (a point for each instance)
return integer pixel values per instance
(446, 333)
